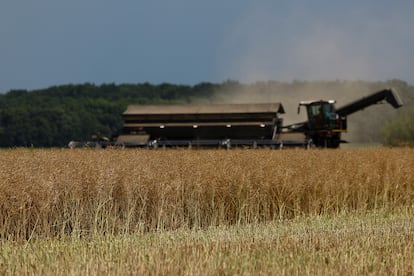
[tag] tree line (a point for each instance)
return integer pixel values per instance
(53, 116)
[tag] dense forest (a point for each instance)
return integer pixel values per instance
(53, 116)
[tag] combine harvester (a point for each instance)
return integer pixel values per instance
(240, 125)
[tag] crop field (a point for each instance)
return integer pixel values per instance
(113, 211)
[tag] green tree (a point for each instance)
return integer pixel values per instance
(401, 130)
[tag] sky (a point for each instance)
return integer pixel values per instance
(54, 42)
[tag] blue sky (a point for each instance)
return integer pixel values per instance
(52, 42)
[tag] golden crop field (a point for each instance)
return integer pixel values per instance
(206, 211)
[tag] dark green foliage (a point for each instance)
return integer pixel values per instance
(54, 116)
(400, 131)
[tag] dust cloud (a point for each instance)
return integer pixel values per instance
(300, 46)
(332, 58)
(290, 94)
(363, 126)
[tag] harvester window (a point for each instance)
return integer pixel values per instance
(320, 114)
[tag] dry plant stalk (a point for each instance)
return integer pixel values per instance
(58, 193)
